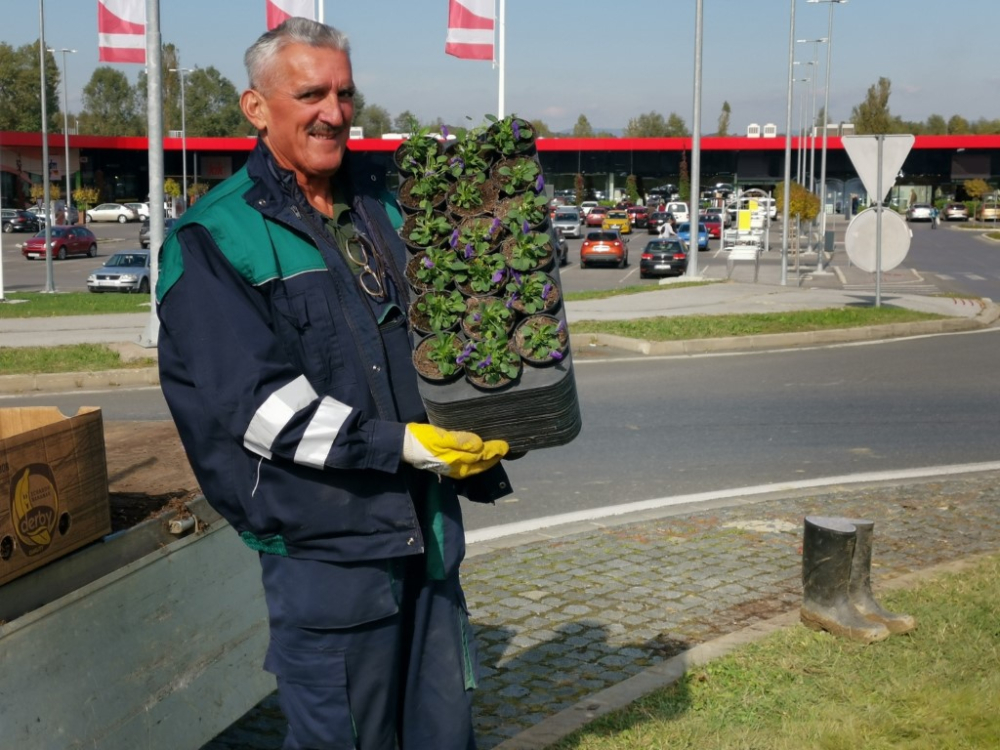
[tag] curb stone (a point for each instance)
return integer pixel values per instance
(666, 673)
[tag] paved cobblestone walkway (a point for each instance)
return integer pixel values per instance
(561, 619)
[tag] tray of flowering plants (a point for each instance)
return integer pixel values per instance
(489, 330)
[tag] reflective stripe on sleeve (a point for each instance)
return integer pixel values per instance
(322, 430)
(275, 414)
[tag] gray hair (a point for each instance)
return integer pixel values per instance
(259, 57)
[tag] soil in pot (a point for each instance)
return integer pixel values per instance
(441, 346)
(488, 192)
(542, 263)
(485, 314)
(436, 239)
(542, 294)
(541, 339)
(411, 203)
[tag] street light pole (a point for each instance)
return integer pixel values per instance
(69, 192)
(184, 165)
(50, 281)
(788, 149)
(821, 251)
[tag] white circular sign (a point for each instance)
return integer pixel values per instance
(862, 232)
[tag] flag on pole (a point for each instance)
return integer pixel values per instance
(470, 29)
(279, 11)
(121, 31)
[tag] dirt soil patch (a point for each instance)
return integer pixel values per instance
(148, 471)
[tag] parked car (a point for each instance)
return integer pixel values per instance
(16, 220)
(126, 271)
(66, 241)
(684, 232)
(657, 219)
(920, 212)
(955, 212)
(988, 212)
(586, 206)
(713, 224)
(717, 211)
(144, 230)
(567, 220)
(142, 209)
(112, 212)
(70, 215)
(605, 247)
(663, 257)
(596, 216)
(679, 209)
(638, 216)
(617, 219)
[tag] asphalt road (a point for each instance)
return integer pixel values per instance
(658, 427)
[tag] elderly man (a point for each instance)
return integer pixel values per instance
(285, 360)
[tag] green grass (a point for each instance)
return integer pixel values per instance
(626, 290)
(42, 305)
(679, 328)
(75, 358)
(937, 687)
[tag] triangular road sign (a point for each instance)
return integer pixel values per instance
(863, 151)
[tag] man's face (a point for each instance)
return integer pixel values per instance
(304, 109)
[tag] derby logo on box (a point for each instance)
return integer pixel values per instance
(34, 507)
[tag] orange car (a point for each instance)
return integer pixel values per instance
(605, 247)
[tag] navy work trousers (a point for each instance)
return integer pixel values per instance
(370, 656)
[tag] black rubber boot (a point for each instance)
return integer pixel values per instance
(827, 554)
(860, 590)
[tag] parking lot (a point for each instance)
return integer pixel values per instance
(70, 275)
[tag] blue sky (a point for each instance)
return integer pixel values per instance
(609, 61)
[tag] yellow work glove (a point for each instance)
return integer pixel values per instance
(452, 454)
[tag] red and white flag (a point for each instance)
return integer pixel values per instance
(279, 11)
(470, 29)
(121, 31)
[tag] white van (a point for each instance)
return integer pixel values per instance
(679, 210)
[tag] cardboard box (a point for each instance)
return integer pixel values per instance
(53, 486)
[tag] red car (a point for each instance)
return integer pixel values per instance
(66, 241)
(605, 247)
(638, 216)
(713, 224)
(596, 216)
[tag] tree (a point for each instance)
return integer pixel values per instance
(872, 116)
(976, 188)
(958, 125)
(405, 122)
(375, 120)
(579, 187)
(723, 129)
(632, 189)
(649, 125)
(541, 129)
(582, 129)
(110, 105)
(212, 106)
(20, 78)
(684, 188)
(676, 127)
(936, 125)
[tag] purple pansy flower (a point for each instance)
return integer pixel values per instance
(510, 301)
(466, 353)
(556, 354)
(497, 276)
(525, 226)
(539, 184)
(486, 362)
(494, 226)
(428, 263)
(516, 129)
(454, 239)
(561, 327)
(444, 130)
(468, 251)
(476, 317)
(546, 289)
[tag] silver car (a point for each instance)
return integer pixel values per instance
(127, 271)
(112, 212)
(567, 221)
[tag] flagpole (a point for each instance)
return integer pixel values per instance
(319, 11)
(501, 56)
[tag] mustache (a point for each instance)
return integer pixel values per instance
(322, 129)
